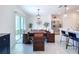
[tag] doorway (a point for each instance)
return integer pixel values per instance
(19, 28)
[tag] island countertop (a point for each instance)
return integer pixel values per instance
(2, 34)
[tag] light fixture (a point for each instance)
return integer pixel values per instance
(65, 8)
(38, 15)
(65, 14)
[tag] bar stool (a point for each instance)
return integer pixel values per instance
(77, 41)
(71, 36)
(64, 34)
(78, 44)
(75, 38)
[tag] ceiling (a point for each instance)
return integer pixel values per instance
(48, 9)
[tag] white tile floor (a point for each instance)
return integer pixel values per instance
(50, 48)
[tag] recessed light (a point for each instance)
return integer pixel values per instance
(65, 15)
(67, 8)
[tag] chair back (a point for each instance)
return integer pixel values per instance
(63, 33)
(72, 35)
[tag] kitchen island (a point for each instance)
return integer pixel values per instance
(4, 43)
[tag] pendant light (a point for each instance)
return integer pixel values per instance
(66, 8)
(38, 15)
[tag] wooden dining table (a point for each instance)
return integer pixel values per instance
(31, 33)
(37, 31)
(38, 38)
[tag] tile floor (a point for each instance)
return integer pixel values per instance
(50, 48)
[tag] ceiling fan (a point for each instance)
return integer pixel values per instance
(60, 6)
(65, 9)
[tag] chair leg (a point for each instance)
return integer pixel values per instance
(61, 39)
(78, 47)
(73, 43)
(67, 42)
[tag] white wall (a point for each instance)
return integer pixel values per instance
(7, 20)
(44, 19)
(71, 21)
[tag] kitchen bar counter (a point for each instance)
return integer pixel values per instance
(4, 43)
(3, 34)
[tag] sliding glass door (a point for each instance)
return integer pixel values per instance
(22, 27)
(19, 28)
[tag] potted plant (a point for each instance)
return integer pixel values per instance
(46, 24)
(30, 25)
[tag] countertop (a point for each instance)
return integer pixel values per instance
(2, 34)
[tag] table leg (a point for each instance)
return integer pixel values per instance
(78, 47)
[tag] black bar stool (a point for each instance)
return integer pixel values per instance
(77, 39)
(64, 34)
(73, 37)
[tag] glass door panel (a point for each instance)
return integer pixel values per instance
(17, 27)
(22, 27)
